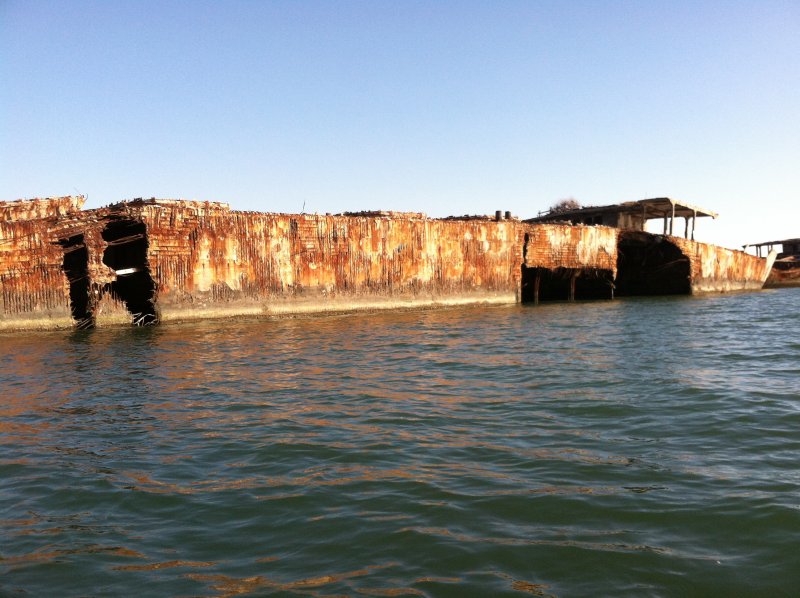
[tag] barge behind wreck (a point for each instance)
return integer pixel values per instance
(150, 260)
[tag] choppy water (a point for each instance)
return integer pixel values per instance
(636, 447)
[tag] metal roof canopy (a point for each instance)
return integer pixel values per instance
(656, 207)
(648, 209)
(664, 206)
(768, 243)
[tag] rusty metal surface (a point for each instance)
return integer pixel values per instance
(784, 273)
(34, 289)
(47, 207)
(235, 255)
(202, 255)
(718, 269)
(31, 279)
(554, 246)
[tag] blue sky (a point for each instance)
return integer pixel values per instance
(441, 107)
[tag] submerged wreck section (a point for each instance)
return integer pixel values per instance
(720, 270)
(60, 266)
(666, 264)
(564, 262)
(145, 261)
(652, 265)
(208, 260)
(34, 271)
(663, 265)
(785, 270)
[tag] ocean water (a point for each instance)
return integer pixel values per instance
(640, 447)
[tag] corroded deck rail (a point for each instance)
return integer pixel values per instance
(151, 260)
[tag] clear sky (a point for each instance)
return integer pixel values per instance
(447, 108)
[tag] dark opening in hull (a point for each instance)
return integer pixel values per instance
(76, 269)
(564, 284)
(651, 265)
(127, 255)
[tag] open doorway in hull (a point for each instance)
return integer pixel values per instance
(126, 254)
(76, 269)
(651, 265)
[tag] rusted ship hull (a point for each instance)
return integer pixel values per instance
(784, 273)
(156, 260)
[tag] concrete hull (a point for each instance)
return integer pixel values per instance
(151, 261)
(719, 270)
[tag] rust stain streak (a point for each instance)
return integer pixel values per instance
(147, 260)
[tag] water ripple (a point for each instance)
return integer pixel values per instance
(621, 448)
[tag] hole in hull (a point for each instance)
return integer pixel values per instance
(559, 284)
(76, 269)
(126, 254)
(651, 265)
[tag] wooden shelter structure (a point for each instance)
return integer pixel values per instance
(632, 215)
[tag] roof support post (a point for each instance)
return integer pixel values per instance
(672, 220)
(694, 220)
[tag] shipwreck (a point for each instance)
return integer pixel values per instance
(146, 261)
(785, 271)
